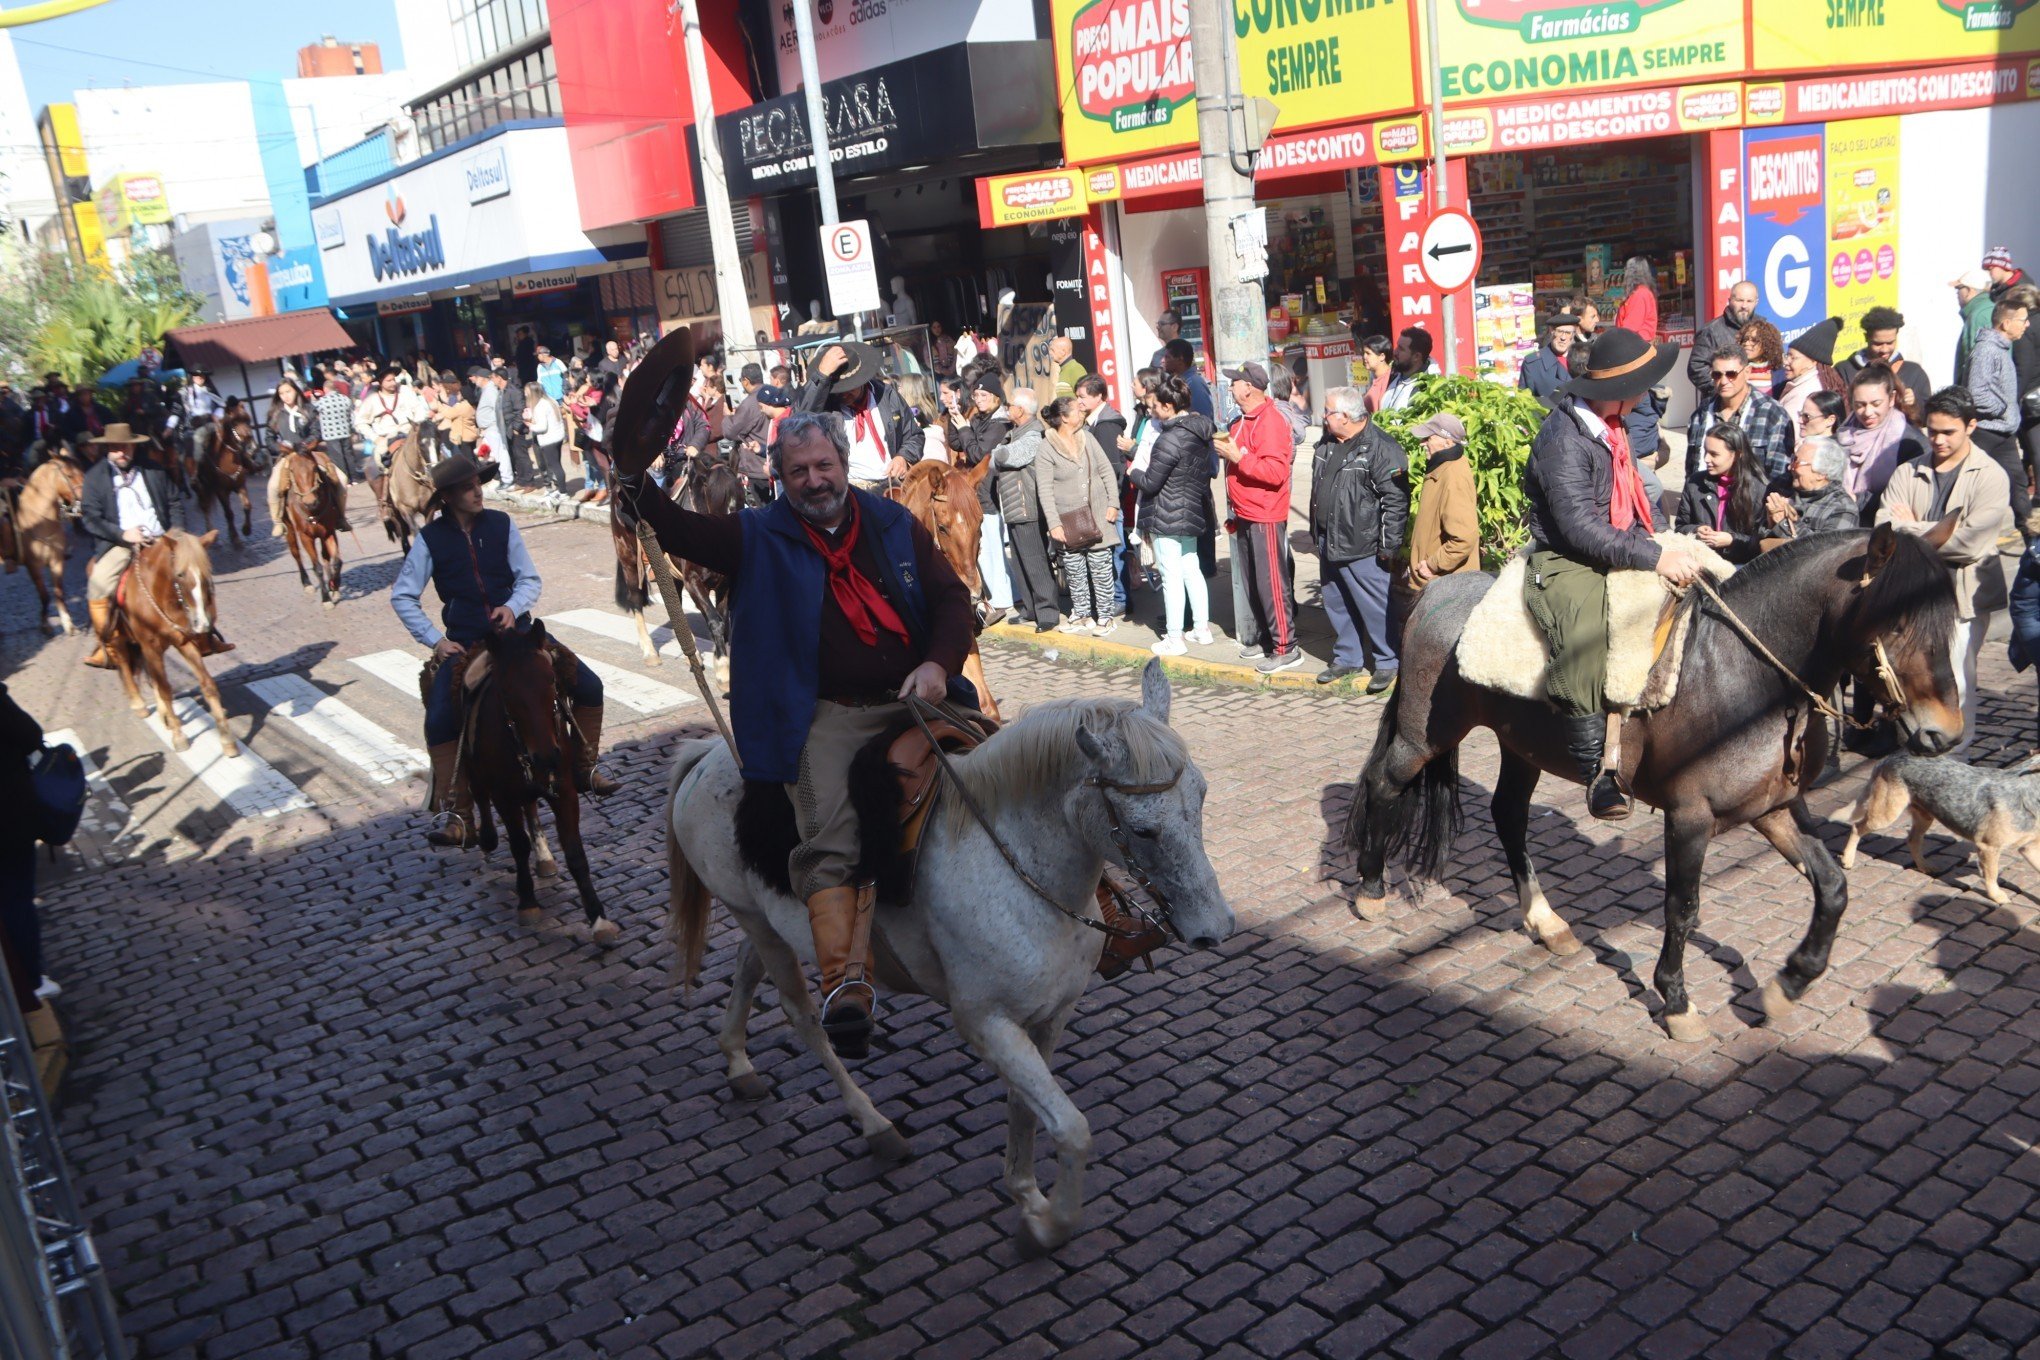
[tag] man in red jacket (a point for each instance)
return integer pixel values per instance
(1259, 453)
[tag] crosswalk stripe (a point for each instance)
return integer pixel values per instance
(106, 814)
(633, 691)
(339, 728)
(619, 628)
(248, 784)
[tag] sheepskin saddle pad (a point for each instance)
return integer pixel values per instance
(1503, 649)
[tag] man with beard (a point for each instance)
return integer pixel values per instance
(843, 607)
(1720, 334)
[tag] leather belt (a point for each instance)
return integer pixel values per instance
(862, 700)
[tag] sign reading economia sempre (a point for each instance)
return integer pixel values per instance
(1501, 48)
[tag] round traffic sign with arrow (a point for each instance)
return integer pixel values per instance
(1449, 250)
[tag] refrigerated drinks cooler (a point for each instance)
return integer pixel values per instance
(1187, 292)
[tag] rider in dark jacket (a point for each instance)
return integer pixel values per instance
(844, 371)
(1175, 486)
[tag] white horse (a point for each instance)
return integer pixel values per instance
(1009, 966)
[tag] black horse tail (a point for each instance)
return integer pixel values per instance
(1415, 822)
(631, 595)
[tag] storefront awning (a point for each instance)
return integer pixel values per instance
(255, 339)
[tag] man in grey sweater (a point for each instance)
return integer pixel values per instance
(1994, 387)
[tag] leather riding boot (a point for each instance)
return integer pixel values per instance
(102, 628)
(454, 805)
(841, 920)
(1585, 738)
(589, 722)
(213, 644)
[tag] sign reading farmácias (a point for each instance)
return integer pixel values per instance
(1582, 120)
(1037, 196)
(1521, 47)
(1125, 72)
(1823, 35)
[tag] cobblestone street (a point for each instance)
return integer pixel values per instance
(329, 1100)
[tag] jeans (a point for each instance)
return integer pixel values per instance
(992, 563)
(1356, 599)
(442, 707)
(1182, 581)
(555, 470)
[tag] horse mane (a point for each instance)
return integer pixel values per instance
(188, 554)
(1910, 602)
(1040, 751)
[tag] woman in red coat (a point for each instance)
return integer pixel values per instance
(1638, 311)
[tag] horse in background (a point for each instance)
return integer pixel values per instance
(944, 499)
(314, 513)
(403, 494)
(518, 747)
(34, 536)
(710, 485)
(634, 582)
(165, 603)
(223, 465)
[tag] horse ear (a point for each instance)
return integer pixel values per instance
(1883, 543)
(1938, 536)
(1154, 690)
(209, 537)
(1090, 745)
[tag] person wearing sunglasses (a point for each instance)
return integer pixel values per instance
(1736, 401)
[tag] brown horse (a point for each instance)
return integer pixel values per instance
(518, 745)
(166, 603)
(405, 493)
(634, 582)
(34, 532)
(222, 472)
(944, 499)
(709, 485)
(314, 513)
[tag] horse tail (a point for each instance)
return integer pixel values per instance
(1416, 823)
(634, 595)
(688, 901)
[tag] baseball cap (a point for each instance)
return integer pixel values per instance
(1998, 257)
(774, 396)
(1444, 423)
(1250, 371)
(1974, 279)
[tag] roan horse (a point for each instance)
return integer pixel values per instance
(314, 513)
(222, 472)
(34, 536)
(403, 495)
(710, 485)
(945, 500)
(169, 606)
(1057, 785)
(1736, 744)
(517, 747)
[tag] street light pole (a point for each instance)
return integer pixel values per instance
(732, 301)
(1439, 184)
(1237, 329)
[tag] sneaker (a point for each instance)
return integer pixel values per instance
(1200, 635)
(1172, 645)
(1074, 626)
(1282, 661)
(1106, 627)
(1379, 682)
(1332, 675)
(50, 989)
(1251, 653)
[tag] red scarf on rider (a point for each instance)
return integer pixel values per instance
(1631, 503)
(864, 418)
(860, 600)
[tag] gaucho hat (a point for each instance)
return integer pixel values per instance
(865, 367)
(653, 398)
(458, 469)
(1622, 364)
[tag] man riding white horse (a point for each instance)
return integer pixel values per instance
(477, 561)
(843, 607)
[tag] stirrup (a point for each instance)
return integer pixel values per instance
(449, 828)
(848, 1028)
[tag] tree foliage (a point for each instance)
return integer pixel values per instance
(1501, 422)
(83, 325)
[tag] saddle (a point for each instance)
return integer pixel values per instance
(1501, 647)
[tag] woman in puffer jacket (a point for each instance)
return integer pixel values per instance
(1175, 507)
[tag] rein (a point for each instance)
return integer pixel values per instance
(183, 630)
(919, 707)
(1887, 675)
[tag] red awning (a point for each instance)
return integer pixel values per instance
(255, 339)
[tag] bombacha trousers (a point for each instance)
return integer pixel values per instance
(1569, 600)
(106, 570)
(828, 852)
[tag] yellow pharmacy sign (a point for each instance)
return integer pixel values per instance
(1327, 61)
(1516, 49)
(1825, 35)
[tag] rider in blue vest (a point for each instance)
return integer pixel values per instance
(476, 560)
(842, 606)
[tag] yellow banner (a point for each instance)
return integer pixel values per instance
(1037, 196)
(1862, 223)
(1520, 49)
(1824, 35)
(1334, 61)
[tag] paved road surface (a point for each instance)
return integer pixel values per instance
(329, 1100)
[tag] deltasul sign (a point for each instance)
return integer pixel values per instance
(1131, 61)
(1538, 21)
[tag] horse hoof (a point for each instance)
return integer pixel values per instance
(889, 1145)
(230, 749)
(548, 869)
(750, 1087)
(329, 603)
(1035, 1240)
(1688, 1027)
(1776, 1004)
(604, 930)
(529, 916)
(1370, 908)
(1560, 941)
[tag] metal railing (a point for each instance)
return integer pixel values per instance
(55, 1303)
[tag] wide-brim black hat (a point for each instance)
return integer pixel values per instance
(866, 366)
(1622, 364)
(653, 399)
(457, 469)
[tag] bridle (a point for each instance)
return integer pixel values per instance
(183, 630)
(1894, 696)
(564, 733)
(1165, 923)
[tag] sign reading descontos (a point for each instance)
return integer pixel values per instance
(1517, 48)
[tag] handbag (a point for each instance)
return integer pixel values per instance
(58, 777)
(1080, 530)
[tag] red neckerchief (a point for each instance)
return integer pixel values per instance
(1631, 503)
(867, 423)
(859, 599)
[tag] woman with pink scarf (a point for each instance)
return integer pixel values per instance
(1876, 436)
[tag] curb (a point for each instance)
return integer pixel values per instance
(539, 505)
(1111, 653)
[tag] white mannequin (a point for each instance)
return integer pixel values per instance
(814, 325)
(904, 313)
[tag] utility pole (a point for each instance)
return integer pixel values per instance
(1237, 329)
(732, 302)
(818, 123)
(1440, 184)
